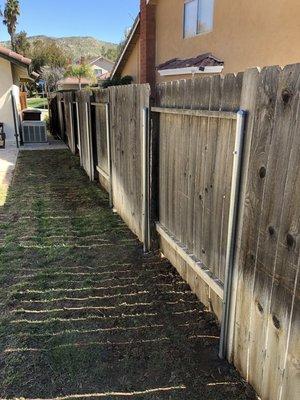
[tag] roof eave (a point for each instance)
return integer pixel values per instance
(14, 61)
(129, 39)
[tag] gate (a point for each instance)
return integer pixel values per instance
(197, 131)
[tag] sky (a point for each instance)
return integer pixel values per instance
(103, 19)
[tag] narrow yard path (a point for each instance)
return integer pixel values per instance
(84, 314)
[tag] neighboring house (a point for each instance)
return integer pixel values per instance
(101, 67)
(72, 83)
(173, 39)
(14, 71)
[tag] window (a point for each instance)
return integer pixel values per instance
(98, 71)
(198, 17)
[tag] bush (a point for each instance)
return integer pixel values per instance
(117, 81)
(47, 120)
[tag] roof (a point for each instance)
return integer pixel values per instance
(104, 76)
(102, 62)
(14, 57)
(201, 61)
(70, 80)
(131, 40)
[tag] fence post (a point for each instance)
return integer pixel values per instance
(146, 178)
(108, 141)
(89, 141)
(232, 226)
(78, 131)
(72, 141)
(154, 178)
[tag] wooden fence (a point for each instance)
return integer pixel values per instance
(196, 143)
(182, 177)
(108, 127)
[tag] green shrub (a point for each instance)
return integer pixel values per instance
(117, 81)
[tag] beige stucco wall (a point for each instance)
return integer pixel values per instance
(6, 112)
(132, 66)
(245, 34)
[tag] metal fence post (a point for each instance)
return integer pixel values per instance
(89, 142)
(146, 178)
(78, 131)
(108, 141)
(229, 297)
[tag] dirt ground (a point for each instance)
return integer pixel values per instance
(84, 314)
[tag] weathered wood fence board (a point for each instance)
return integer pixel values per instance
(54, 115)
(101, 98)
(268, 257)
(83, 99)
(196, 157)
(192, 141)
(100, 103)
(126, 105)
(70, 127)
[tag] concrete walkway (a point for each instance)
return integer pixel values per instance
(8, 159)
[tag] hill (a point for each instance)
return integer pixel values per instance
(77, 46)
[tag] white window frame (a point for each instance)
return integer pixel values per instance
(201, 32)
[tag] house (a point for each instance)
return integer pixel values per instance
(14, 71)
(101, 67)
(173, 39)
(73, 83)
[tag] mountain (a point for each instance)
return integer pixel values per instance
(78, 46)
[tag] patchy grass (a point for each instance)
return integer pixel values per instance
(37, 102)
(83, 311)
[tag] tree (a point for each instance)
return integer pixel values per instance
(80, 71)
(110, 53)
(22, 44)
(11, 13)
(51, 75)
(47, 53)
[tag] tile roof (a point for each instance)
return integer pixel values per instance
(201, 61)
(13, 56)
(104, 76)
(70, 80)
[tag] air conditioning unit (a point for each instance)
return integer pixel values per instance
(34, 132)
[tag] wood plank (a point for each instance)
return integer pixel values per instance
(210, 157)
(258, 97)
(196, 113)
(184, 138)
(214, 283)
(127, 103)
(290, 390)
(283, 215)
(101, 99)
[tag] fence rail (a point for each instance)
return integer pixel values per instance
(169, 172)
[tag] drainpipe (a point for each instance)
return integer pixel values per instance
(16, 118)
(229, 289)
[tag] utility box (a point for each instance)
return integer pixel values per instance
(34, 132)
(31, 115)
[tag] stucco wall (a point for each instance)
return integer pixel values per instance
(6, 85)
(132, 66)
(245, 33)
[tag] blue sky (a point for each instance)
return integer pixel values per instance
(102, 19)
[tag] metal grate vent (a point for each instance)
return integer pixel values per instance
(34, 132)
